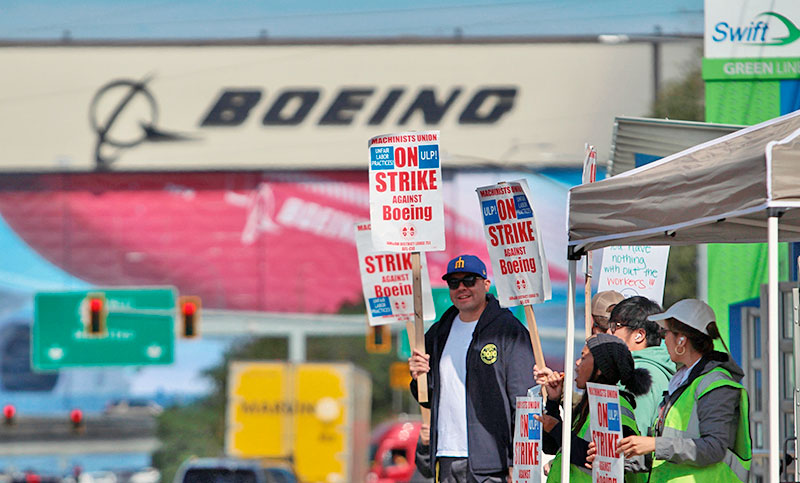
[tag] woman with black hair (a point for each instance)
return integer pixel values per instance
(605, 359)
(702, 431)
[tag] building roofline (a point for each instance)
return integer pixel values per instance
(344, 41)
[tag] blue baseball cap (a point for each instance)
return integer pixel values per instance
(465, 264)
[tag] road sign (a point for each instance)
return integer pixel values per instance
(139, 328)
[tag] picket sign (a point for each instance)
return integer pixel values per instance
(527, 441)
(387, 281)
(516, 251)
(635, 270)
(407, 209)
(606, 430)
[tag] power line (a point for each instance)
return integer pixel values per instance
(557, 8)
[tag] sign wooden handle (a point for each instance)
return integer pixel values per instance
(587, 303)
(536, 342)
(419, 328)
(426, 419)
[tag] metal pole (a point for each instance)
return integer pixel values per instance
(774, 350)
(297, 346)
(569, 351)
(796, 347)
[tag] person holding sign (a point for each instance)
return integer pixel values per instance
(479, 359)
(643, 337)
(605, 359)
(702, 432)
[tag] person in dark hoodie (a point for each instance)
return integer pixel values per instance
(605, 359)
(702, 432)
(478, 360)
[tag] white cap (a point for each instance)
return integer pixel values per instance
(692, 312)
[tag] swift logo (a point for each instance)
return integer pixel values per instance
(757, 32)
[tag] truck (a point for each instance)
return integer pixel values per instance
(393, 451)
(315, 416)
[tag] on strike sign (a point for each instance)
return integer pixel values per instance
(515, 247)
(405, 197)
(527, 441)
(606, 428)
(387, 283)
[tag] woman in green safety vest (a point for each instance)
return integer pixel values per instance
(702, 430)
(605, 359)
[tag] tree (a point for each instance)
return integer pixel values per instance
(682, 99)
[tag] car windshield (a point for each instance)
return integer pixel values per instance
(280, 475)
(219, 475)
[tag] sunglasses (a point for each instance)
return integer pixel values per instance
(468, 281)
(613, 326)
(664, 332)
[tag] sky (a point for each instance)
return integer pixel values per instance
(284, 19)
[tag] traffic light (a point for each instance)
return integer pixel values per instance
(379, 339)
(9, 411)
(97, 312)
(189, 307)
(76, 420)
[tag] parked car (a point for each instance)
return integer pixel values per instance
(128, 407)
(231, 470)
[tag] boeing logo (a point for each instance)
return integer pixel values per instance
(292, 106)
(117, 131)
(757, 32)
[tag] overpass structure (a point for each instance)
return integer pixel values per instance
(28, 436)
(297, 327)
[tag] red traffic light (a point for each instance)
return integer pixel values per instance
(189, 308)
(76, 416)
(96, 305)
(189, 316)
(96, 325)
(9, 411)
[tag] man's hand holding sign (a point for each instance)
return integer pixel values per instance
(406, 208)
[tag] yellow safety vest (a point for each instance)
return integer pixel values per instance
(681, 421)
(583, 474)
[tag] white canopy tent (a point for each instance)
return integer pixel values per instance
(732, 189)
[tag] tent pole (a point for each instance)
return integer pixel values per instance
(774, 350)
(569, 351)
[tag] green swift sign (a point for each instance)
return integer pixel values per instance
(139, 329)
(751, 68)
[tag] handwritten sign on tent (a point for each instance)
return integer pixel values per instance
(606, 428)
(527, 441)
(386, 279)
(515, 247)
(405, 197)
(635, 270)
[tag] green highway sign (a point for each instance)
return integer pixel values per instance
(139, 328)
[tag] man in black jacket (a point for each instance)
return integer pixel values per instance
(479, 359)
